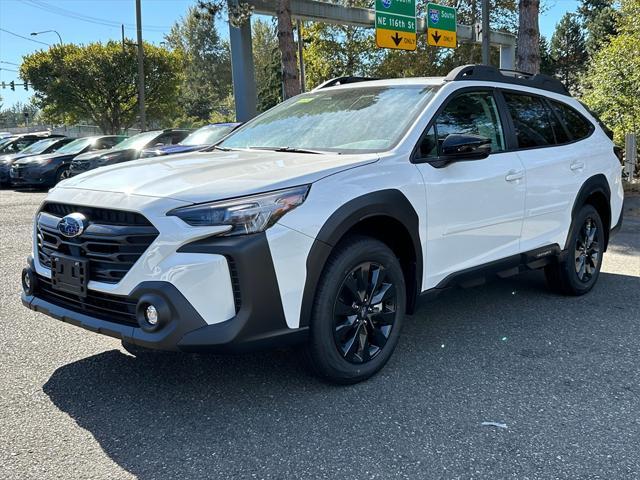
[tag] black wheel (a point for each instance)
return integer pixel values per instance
(357, 312)
(63, 174)
(579, 271)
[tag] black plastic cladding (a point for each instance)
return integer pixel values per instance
(390, 203)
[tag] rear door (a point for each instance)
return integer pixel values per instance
(474, 208)
(555, 169)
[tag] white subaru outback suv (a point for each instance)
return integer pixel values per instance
(323, 220)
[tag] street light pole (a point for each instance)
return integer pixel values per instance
(143, 120)
(48, 31)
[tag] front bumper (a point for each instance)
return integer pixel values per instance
(4, 173)
(32, 175)
(259, 321)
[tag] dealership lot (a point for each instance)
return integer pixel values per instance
(562, 374)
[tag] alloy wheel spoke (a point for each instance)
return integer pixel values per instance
(343, 308)
(350, 347)
(383, 293)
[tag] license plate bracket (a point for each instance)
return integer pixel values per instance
(70, 274)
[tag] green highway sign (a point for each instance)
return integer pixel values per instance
(441, 26)
(396, 24)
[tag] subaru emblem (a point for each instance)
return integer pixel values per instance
(72, 225)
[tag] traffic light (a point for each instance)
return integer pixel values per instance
(12, 84)
(26, 85)
(4, 85)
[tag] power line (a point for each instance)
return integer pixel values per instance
(24, 38)
(8, 70)
(10, 63)
(86, 18)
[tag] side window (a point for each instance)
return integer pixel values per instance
(473, 113)
(177, 137)
(578, 126)
(535, 124)
(164, 139)
(106, 143)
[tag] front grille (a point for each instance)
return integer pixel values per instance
(96, 304)
(112, 242)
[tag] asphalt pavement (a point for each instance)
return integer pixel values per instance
(559, 378)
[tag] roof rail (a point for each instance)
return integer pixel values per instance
(488, 73)
(342, 81)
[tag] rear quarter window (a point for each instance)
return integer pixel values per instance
(535, 124)
(578, 126)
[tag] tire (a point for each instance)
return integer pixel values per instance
(63, 174)
(579, 271)
(351, 337)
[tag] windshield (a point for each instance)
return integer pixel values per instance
(76, 146)
(207, 135)
(137, 141)
(40, 146)
(349, 120)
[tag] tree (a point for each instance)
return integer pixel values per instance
(600, 20)
(528, 51)
(241, 12)
(568, 51)
(290, 78)
(337, 50)
(547, 65)
(97, 82)
(206, 64)
(267, 65)
(613, 80)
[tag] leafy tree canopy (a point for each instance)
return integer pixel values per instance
(97, 82)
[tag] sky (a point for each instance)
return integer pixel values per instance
(84, 21)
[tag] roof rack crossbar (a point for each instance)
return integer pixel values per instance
(492, 74)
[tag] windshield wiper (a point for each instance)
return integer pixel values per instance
(288, 150)
(218, 147)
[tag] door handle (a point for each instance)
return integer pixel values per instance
(514, 175)
(577, 166)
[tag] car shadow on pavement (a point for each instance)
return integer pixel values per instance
(492, 353)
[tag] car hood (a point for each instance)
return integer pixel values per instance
(12, 157)
(171, 149)
(93, 154)
(46, 156)
(205, 176)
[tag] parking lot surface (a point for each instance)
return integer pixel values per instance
(559, 378)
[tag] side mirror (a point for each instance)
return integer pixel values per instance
(465, 147)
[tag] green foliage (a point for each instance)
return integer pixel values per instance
(205, 77)
(97, 82)
(613, 82)
(600, 21)
(14, 115)
(266, 60)
(568, 51)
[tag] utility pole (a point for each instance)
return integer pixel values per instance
(485, 33)
(122, 27)
(143, 120)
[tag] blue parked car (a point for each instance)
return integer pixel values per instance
(49, 169)
(201, 138)
(29, 146)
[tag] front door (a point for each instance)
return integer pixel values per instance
(474, 208)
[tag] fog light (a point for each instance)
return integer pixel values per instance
(28, 281)
(151, 315)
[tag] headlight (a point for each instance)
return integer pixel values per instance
(244, 215)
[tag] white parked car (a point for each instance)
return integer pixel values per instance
(324, 219)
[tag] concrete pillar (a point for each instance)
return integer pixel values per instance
(242, 70)
(508, 57)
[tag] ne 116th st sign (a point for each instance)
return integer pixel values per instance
(441, 26)
(396, 24)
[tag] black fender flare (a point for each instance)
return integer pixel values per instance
(390, 203)
(595, 184)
